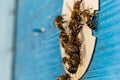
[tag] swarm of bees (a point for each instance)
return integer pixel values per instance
(70, 40)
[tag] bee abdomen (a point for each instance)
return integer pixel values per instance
(90, 24)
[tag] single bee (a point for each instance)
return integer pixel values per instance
(76, 16)
(64, 37)
(76, 41)
(86, 13)
(76, 20)
(72, 69)
(71, 48)
(72, 64)
(74, 33)
(59, 22)
(90, 20)
(76, 13)
(74, 58)
(64, 77)
(75, 62)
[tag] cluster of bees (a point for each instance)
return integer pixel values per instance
(69, 39)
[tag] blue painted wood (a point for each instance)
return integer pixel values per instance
(105, 64)
(38, 55)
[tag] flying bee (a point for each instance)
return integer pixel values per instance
(59, 20)
(64, 77)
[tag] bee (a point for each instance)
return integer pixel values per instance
(72, 64)
(65, 60)
(64, 38)
(59, 20)
(64, 77)
(75, 59)
(90, 16)
(76, 41)
(76, 10)
(72, 69)
(76, 13)
(70, 47)
(75, 56)
(75, 25)
(76, 16)
(74, 33)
